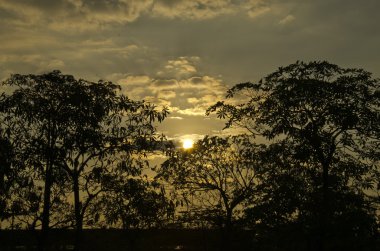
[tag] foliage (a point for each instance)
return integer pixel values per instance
(323, 120)
(73, 153)
(68, 129)
(329, 114)
(218, 175)
(135, 203)
(19, 196)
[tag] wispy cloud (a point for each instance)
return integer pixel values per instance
(175, 117)
(286, 20)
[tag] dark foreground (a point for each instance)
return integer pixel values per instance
(172, 239)
(131, 240)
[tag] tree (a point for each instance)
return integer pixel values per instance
(72, 128)
(217, 177)
(132, 203)
(19, 198)
(326, 112)
(287, 216)
(5, 169)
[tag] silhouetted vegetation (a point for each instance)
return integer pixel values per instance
(73, 137)
(325, 118)
(304, 175)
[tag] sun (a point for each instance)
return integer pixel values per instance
(187, 143)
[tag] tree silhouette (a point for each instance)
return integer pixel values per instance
(19, 199)
(5, 169)
(73, 154)
(72, 128)
(288, 213)
(326, 112)
(132, 203)
(16, 189)
(217, 176)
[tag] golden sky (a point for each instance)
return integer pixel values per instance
(184, 53)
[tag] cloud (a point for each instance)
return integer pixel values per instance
(286, 20)
(183, 90)
(132, 86)
(166, 95)
(159, 102)
(180, 67)
(259, 11)
(175, 117)
(117, 11)
(53, 65)
(256, 8)
(40, 63)
(77, 15)
(194, 111)
(208, 9)
(183, 96)
(149, 45)
(194, 95)
(135, 81)
(196, 9)
(163, 84)
(73, 16)
(201, 83)
(90, 58)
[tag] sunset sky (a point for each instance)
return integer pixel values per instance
(184, 53)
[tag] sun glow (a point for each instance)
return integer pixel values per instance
(187, 143)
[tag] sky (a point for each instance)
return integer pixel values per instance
(184, 54)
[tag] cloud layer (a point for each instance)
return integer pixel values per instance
(178, 86)
(182, 53)
(64, 15)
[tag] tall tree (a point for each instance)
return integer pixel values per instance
(327, 112)
(71, 127)
(218, 175)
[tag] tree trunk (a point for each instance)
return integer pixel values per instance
(2, 177)
(227, 231)
(325, 207)
(46, 208)
(78, 214)
(47, 189)
(5, 165)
